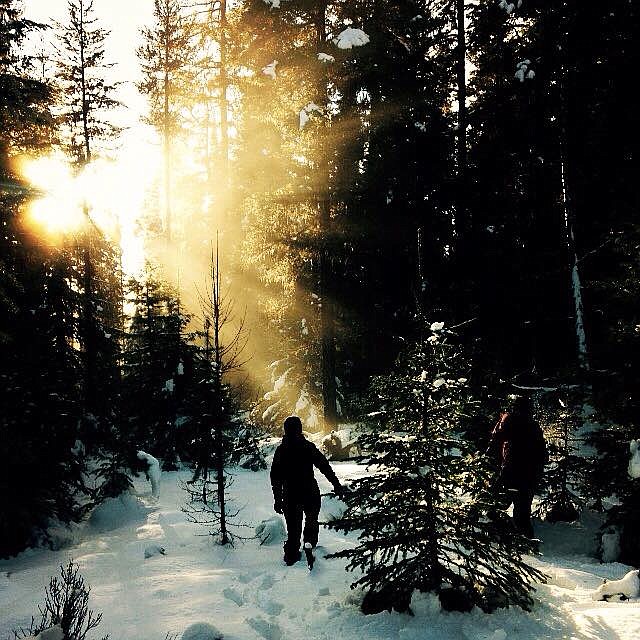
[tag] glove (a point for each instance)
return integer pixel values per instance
(277, 506)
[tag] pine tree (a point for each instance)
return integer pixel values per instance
(425, 514)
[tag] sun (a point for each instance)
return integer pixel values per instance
(109, 195)
(57, 209)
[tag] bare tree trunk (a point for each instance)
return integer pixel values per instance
(217, 399)
(327, 309)
(166, 139)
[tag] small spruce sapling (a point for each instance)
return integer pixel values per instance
(425, 514)
(208, 502)
(66, 605)
(564, 477)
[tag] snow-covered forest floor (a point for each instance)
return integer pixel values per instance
(249, 594)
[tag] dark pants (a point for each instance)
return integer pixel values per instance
(294, 508)
(521, 498)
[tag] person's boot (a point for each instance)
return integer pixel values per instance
(291, 556)
(308, 552)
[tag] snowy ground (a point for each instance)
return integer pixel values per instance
(249, 594)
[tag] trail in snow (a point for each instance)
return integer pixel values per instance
(249, 594)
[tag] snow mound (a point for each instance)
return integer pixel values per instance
(153, 472)
(201, 631)
(118, 512)
(628, 586)
(52, 633)
(271, 531)
(154, 550)
(350, 38)
(332, 508)
(634, 463)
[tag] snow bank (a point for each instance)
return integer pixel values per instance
(628, 586)
(118, 512)
(154, 550)
(52, 633)
(271, 531)
(201, 631)
(153, 472)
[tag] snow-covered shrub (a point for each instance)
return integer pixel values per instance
(153, 471)
(271, 531)
(201, 631)
(610, 545)
(65, 609)
(628, 586)
(610, 475)
(634, 463)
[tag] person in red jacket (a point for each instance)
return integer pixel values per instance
(295, 490)
(519, 443)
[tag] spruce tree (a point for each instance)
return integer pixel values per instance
(155, 351)
(424, 514)
(87, 97)
(39, 390)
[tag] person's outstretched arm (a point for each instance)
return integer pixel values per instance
(276, 480)
(322, 464)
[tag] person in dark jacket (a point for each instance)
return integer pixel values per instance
(295, 490)
(521, 449)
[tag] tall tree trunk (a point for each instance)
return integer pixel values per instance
(327, 309)
(224, 103)
(462, 222)
(568, 208)
(83, 84)
(88, 321)
(166, 127)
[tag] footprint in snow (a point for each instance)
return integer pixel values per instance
(233, 595)
(247, 577)
(267, 582)
(271, 607)
(268, 630)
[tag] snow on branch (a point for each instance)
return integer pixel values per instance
(350, 38)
